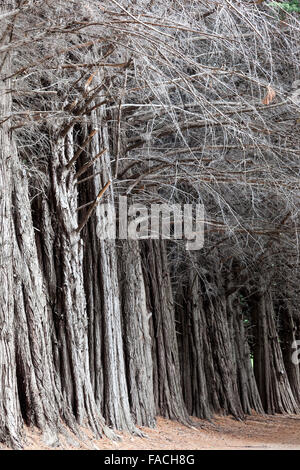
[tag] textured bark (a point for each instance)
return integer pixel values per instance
(10, 416)
(223, 353)
(217, 375)
(38, 388)
(271, 377)
(247, 388)
(288, 335)
(105, 314)
(69, 304)
(137, 339)
(166, 373)
(27, 360)
(195, 353)
(117, 409)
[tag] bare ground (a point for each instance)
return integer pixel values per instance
(256, 432)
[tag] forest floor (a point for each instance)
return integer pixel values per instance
(256, 432)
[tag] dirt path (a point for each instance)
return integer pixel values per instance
(257, 432)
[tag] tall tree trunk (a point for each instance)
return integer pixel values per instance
(215, 360)
(71, 321)
(38, 385)
(10, 416)
(247, 388)
(27, 362)
(215, 307)
(108, 370)
(271, 377)
(167, 384)
(135, 316)
(137, 339)
(288, 335)
(195, 353)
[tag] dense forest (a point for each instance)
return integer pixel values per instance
(171, 102)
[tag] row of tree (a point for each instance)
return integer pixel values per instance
(164, 102)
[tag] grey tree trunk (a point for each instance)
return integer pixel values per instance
(101, 269)
(88, 331)
(137, 339)
(197, 368)
(26, 361)
(288, 336)
(10, 415)
(247, 388)
(217, 376)
(38, 387)
(166, 373)
(71, 321)
(271, 377)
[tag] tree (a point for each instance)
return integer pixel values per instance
(100, 100)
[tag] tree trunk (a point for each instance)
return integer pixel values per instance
(38, 386)
(10, 416)
(271, 377)
(217, 376)
(101, 268)
(288, 336)
(69, 305)
(137, 339)
(167, 385)
(247, 388)
(195, 353)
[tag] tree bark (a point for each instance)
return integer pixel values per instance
(167, 385)
(217, 375)
(108, 369)
(10, 415)
(288, 337)
(137, 339)
(271, 377)
(247, 388)
(195, 353)
(70, 316)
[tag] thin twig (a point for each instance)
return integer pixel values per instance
(80, 150)
(93, 206)
(85, 167)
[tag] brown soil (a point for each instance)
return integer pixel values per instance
(256, 432)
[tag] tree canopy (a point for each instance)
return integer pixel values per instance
(164, 102)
